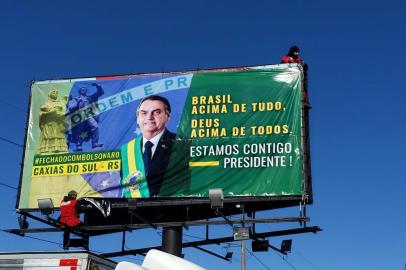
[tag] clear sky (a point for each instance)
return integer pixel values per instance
(356, 82)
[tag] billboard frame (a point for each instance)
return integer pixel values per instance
(252, 202)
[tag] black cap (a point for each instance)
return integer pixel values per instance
(293, 49)
(72, 194)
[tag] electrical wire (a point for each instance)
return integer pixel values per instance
(157, 231)
(307, 260)
(36, 238)
(193, 236)
(52, 242)
(12, 106)
(224, 245)
(5, 185)
(263, 264)
(10, 141)
(288, 263)
(43, 240)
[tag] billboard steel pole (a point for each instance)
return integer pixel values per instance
(172, 240)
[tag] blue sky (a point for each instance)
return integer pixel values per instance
(356, 82)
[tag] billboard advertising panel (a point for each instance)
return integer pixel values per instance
(166, 135)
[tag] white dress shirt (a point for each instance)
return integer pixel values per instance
(154, 140)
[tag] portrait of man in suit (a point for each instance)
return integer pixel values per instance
(145, 158)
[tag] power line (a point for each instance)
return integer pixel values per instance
(3, 184)
(307, 260)
(51, 242)
(12, 106)
(36, 238)
(284, 259)
(224, 245)
(9, 141)
(290, 264)
(43, 240)
(264, 265)
(193, 236)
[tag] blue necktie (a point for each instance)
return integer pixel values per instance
(147, 155)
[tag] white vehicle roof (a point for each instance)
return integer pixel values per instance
(159, 260)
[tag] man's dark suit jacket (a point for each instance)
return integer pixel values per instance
(159, 163)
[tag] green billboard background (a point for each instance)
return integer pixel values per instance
(236, 129)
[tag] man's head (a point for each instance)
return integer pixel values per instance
(72, 195)
(152, 115)
(82, 91)
(294, 52)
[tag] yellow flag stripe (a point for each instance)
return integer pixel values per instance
(131, 157)
(132, 168)
(204, 163)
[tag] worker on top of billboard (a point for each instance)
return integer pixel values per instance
(69, 215)
(52, 125)
(292, 56)
(89, 128)
(145, 158)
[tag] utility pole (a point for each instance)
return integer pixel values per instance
(242, 254)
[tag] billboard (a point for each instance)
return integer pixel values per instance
(166, 135)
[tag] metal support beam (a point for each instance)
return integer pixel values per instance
(34, 230)
(253, 225)
(212, 253)
(106, 229)
(142, 219)
(116, 228)
(207, 231)
(123, 242)
(313, 229)
(226, 219)
(277, 249)
(54, 223)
